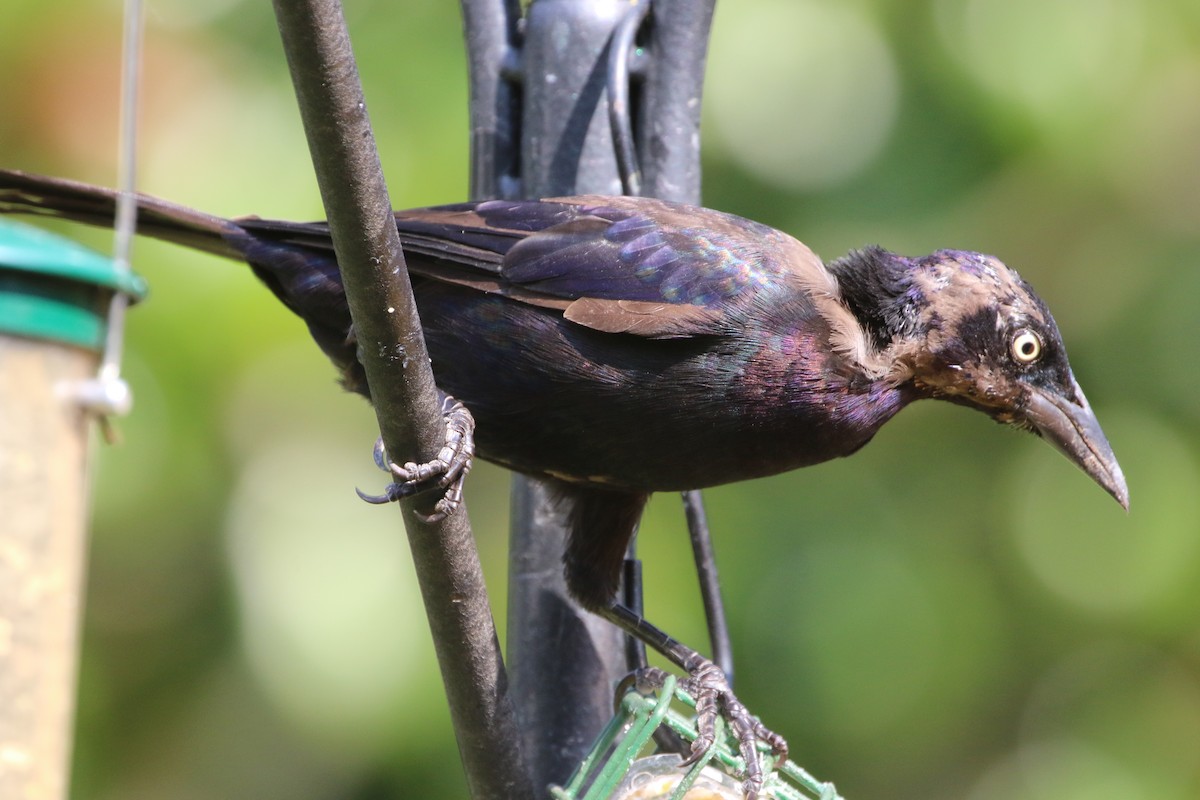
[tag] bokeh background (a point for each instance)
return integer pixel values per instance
(955, 612)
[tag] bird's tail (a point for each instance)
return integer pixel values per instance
(38, 195)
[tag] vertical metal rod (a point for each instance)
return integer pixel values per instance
(564, 661)
(710, 584)
(393, 353)
(669, 130)
(490, 28)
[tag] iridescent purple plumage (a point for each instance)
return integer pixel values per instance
(618, 346)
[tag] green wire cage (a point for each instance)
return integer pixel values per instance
(622, 766)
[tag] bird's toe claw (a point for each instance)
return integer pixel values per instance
(447, 471)
(388, 496)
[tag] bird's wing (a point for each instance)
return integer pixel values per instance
(452, 234)
(463, 243)
(659, 269)
(614, 264)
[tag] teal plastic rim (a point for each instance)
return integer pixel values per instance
(53, 288)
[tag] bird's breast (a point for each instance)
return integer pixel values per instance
(554, 398)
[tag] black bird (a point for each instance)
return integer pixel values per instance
(619, 346)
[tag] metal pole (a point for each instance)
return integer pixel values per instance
(490, 30)
(565, 662)
(393, 353)
(669, 134)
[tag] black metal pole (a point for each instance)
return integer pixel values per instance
(564, 663)
(669, 133)
(490, 28)
(393, 353)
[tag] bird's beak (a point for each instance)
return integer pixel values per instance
(1069, 424)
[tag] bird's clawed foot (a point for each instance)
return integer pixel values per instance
(706, 683)
(446, 472)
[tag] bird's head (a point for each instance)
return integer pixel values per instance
(963, 327)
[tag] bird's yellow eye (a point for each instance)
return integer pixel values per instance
(1026, 346)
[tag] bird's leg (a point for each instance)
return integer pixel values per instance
(707, 684)
(446, 472)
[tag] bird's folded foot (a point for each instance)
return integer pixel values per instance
(706, 683)
(446, 472)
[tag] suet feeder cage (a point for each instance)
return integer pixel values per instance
(622, 765)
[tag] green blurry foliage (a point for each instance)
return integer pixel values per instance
(952, 613)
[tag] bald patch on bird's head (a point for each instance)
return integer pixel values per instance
(957, 284)
(986, 335)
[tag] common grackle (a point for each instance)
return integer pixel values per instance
(618, 346)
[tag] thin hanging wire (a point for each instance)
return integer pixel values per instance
(620, 50)
(109, 394)
(126, 219)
